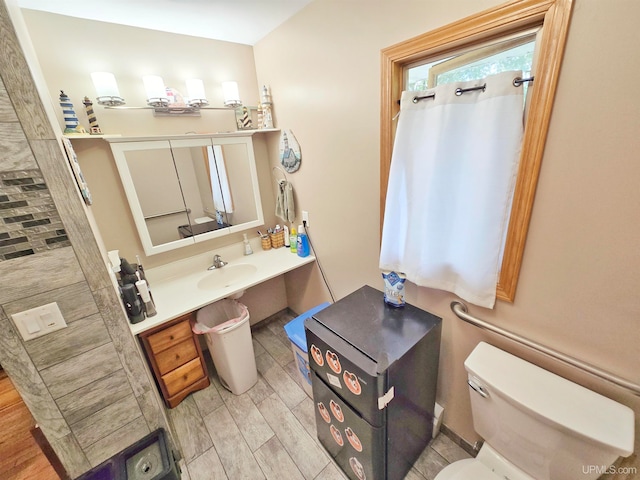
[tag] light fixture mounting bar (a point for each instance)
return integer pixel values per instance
(110, 100)
(176, 112)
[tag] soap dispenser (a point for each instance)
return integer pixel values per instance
(247, 245)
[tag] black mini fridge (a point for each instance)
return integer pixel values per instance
(375, 369)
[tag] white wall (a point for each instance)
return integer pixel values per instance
(69, 49)
(130, 53)
(580, 277)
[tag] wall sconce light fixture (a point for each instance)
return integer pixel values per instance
(107, 89)
(156, 91)
(231, 94)
(195, 93)
(162, 100)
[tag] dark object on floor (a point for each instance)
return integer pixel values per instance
(148, 458)
(374, 374)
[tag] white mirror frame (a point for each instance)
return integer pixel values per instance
(119, 149)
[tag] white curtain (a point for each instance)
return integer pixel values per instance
(451, 182)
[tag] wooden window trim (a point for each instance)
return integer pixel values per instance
(493, 23)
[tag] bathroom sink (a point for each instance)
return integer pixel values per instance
(226, 276)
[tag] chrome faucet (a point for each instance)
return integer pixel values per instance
(217, 262)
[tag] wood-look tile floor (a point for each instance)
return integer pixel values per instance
(269, 431)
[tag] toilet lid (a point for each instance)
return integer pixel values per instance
(468, 469)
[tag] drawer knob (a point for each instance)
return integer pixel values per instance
(177, 356)
(170, 337)
(186, 377)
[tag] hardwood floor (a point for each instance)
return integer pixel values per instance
(21, 458)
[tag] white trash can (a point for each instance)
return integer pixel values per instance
(225, 325)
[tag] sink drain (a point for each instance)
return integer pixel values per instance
(145, 464)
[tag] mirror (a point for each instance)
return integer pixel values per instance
(187, 190)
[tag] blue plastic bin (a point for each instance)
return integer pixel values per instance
(295, 332)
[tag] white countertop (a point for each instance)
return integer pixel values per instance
(174, 286)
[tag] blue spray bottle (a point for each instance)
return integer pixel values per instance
(302, 242)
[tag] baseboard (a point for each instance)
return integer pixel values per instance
(458, 440)
(272, 318)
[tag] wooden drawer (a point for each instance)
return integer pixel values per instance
(176, 356)
(170, 336)
(183, 376)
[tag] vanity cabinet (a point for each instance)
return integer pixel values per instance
(175, 356)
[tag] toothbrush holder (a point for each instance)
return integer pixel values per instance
(265, 242)
(277, 239)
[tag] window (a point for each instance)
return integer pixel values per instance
(469, 43)
(497, 57)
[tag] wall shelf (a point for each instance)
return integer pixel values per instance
(85, 136)
(117, 137)
(145, 138)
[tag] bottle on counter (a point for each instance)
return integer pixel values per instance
(287, 238)
(247, 245)
(302, 242)
(145, 295)
(293, 240)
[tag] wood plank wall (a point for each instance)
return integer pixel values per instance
(86, 385)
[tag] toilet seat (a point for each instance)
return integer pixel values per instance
(467, 469)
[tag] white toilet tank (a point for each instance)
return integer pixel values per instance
(547, 426)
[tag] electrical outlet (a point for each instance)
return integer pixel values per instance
(305, 218)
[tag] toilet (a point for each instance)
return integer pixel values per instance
(537, 425)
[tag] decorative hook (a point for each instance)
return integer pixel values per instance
(281, 171)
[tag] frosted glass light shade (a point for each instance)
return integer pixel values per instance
(105, 84)
(106, 88)
(231, 94)
(195, 92)
(195, 88)
(154, 86)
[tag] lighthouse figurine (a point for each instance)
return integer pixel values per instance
(94, 128)
(266, 104)
(71, 123)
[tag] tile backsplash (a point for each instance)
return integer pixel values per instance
(30, 222)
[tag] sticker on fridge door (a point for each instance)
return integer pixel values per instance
(337, 436)
(324, 413)
(353, 439)
(333, 361)
(352, 383)
(333, 380)
(357, 468)
(337, 411)
(316, 353)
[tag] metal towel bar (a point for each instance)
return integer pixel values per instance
(166, 214)
(461, 310)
